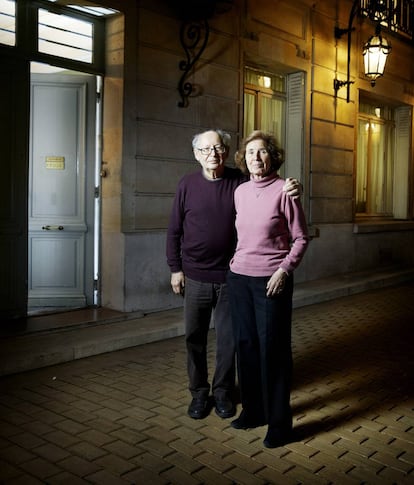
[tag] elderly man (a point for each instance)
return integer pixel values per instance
(200, 243)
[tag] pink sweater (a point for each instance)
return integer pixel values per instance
(271, 228)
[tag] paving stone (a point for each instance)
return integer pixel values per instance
(121, 417)
(51, 452)
(184, 462)
(157, 447)
(25, 479)
(239, 475)
(61, 438)
(251, 466)
(185, 447)
(8, 471)
(87, 450)
(27, 440)
(40, 468)
(177, 476)
(115, 464)
(86, 406)
(104, 477)
(96, 437)
(129, 435)
(139, 476)
(272, 476)
(215, 462)
(16, 455)
(8, 430)
(123, 449)
(66, 478)
(71, 427)
(79, 466)
(151, 462)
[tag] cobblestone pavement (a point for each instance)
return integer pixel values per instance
(120, 417)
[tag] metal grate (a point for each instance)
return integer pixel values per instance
(395, 15)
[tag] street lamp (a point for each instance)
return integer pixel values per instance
(375, 54)
(375, 50)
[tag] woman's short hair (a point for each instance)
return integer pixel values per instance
(275, 152)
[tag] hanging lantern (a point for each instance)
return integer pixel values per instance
(375, 55)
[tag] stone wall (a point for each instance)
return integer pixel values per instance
(276, 35)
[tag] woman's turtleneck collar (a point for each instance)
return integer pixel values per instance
(265, 181)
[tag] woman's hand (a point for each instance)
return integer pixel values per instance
(178, 282)
(276, 283)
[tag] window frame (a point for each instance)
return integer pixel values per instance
(386, 124)
(293, 130)
(260, 93)
(400, 136)
(26, 45)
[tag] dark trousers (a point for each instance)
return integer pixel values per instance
(203, 301)
(262, 330)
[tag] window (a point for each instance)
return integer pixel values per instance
(382, 161)
(65, 36)
(264, 103)
(275, 103)
(70, 36)
(8, 22)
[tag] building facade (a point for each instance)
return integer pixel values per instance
(263, 60)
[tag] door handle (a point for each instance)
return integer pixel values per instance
(52, 228)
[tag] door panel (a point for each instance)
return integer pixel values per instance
(14, 133)
(61, 224)
(62, 278)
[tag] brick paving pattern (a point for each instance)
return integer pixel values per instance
(120, 418)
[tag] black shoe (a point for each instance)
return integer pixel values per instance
(198, 408)
(225, 408)
(276, 437)
(244, 422)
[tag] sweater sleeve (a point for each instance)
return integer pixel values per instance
(298, 233)
(175, 233)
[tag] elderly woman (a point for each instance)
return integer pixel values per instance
(272, 239)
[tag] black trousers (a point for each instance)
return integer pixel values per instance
(262, 330)
(205, 303)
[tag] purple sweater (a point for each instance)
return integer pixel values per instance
(271, 228)
(201, 236)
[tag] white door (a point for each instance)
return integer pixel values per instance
(61, 191)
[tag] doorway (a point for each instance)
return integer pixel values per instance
(63, 272)
(64, 190)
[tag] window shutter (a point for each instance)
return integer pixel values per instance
(294, 126)
(401, 161)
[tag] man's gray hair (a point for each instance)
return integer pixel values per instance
(224, 137)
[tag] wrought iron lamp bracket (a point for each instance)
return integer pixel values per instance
(194, 36)
(377, 11)
(338, 34)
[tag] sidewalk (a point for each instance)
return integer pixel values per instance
(120, 417)
(65, 337)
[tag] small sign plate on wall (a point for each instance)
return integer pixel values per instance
(55, 163)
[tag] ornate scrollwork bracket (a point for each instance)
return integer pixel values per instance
(194, 37)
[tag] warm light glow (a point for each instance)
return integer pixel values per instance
(265, 81)
(375, 55)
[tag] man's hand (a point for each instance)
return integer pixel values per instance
(293, 187)
(178, 282)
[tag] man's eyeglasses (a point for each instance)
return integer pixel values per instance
(217, 148)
